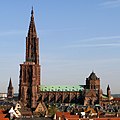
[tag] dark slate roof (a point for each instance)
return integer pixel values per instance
(93, 76)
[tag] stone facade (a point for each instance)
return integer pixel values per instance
(61, 97)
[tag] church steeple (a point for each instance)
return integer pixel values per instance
(10, 84)
(32, 47)
(10, 90)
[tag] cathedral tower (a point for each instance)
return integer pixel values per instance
(93, 82)
(30, 69)
(92, 90)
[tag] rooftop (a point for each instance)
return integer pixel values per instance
(61, 88)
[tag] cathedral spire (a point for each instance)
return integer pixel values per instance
(32, 42)
(32, 28)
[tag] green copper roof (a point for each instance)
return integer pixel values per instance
(61, 88)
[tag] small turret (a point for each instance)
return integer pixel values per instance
(108, 92)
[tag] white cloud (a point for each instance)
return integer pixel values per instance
(102, 38)
(109, 41)
(111, 3)
(93, 45)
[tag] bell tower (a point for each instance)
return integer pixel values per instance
(30, 70)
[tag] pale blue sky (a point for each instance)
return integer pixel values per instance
(76, 38)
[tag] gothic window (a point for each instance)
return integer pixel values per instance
(24, 74)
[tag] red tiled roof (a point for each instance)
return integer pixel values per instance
(4, 118)
(2, 115)
(67, 115)
(72, 117)
(1, 111)
(60, 114)
(116, 99)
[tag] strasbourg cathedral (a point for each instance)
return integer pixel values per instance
(31, 92)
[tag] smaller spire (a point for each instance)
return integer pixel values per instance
(10, 90)
(10, 83)
(108, 88)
